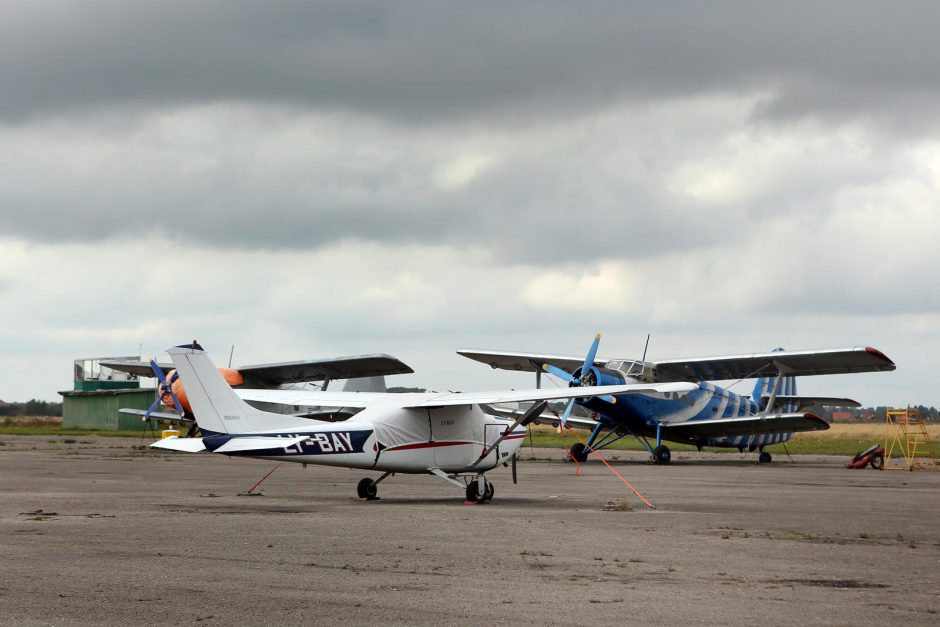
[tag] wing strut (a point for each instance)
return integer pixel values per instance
(531, 414)
(781, 371)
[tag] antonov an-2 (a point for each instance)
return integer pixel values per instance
(448, 435)
(709, 415)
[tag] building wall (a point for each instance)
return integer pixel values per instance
(99, 409)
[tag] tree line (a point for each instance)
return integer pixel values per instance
(31, 407)
(873, 414)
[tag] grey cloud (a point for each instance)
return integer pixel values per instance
(424, 62)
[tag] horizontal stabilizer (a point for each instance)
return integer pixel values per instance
(258, 443)
(184, 445)
(748, 425)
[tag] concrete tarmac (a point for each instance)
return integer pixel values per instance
(96, 531)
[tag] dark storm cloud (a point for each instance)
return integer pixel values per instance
(419, 62)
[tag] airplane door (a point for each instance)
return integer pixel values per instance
(457, 436)
(492, 432)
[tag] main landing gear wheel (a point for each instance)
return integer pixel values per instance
(661, 455)
(474, 495)
(877, 462)
(366, 489)
(579, 452)
(764, 458)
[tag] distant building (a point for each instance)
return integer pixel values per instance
(97, 394)
(842, 416)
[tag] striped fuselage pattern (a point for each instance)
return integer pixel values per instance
(641, 413)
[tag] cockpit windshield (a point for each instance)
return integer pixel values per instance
(640, 370)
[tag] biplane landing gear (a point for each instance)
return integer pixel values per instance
(661, 454)
(579, 452)
(764, 458)
(473, 491)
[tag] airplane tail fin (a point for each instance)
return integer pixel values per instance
(216, 407)
(764, 387)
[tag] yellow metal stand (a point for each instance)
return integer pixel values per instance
(907, 443)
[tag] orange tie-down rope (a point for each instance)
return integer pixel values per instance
(612, 469)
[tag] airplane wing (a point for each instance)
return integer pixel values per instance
(131, 366)
(526, 362)
(314, 398)
(726, 427)
(797, 363)
(354, 367)
(155, 415)
(547, 418)
(477, 398)
(311, 398)
(818, 401)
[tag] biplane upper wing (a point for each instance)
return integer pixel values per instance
(795, 363)
(526, 362)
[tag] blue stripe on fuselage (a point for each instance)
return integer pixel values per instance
(317, 443)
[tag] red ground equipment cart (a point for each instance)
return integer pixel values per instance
(874, 457)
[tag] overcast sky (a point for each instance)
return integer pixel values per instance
(306, 180)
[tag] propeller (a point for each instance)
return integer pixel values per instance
(586, 378)
(165, 387)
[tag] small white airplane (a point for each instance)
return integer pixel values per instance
(445, 434)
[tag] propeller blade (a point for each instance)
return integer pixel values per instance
(564, 416)
(592, 353)
(152, 407)
(166, 386)
(514, 478)
(157, 371)
(561, 374)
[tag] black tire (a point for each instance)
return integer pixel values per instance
(472, 493)
(764, 458)
(877, 462)
(662, 455)
(488, 491)
(366, 489)
(579, 452)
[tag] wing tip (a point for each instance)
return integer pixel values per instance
(879, 355)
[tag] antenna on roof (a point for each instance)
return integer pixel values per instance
(647, 346)
(230, 353)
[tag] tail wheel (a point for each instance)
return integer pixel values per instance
(366, 489)
(579, 452)
(764, 458)
(662, 455)
(877, 462)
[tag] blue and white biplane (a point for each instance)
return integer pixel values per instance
(708, 415)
